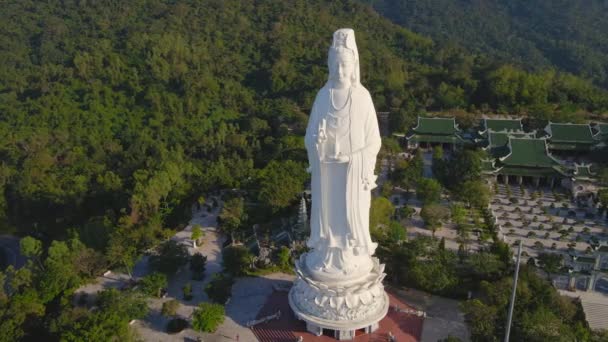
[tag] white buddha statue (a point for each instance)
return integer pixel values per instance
(342, 140)
(338, 282)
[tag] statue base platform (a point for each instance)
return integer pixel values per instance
(345, 309)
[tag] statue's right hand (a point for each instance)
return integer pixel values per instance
(321, 137)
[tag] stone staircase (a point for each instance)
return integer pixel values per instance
(596, 314)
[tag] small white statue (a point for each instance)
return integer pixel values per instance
(342, 140)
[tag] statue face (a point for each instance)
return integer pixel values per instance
(345, 69)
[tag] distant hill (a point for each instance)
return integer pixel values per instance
(571, 35)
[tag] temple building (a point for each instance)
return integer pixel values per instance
(496, 143)
(526, 158)
(500, 125)
(602, 134)
(582, 183)
(435, 131)
(567, 137)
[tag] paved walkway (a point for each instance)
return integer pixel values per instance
(444, 316)
(152, 328)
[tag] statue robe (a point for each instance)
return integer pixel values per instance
(343, 222)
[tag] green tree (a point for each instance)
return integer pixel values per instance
(121, 252)
(232, 216)
(197, 233)
(284, 258)
(236, 260)
(428, 191)
(433, 215)
(481, 319)
(207, 317)
(406, 174)
(396, 232)
(437, 274)
(380, 213)
(170, 307)
(31, 248)
(219, 288)
(281, 183)
(153, 284)
(485, 266)
(109, 323)
(475, 193)
(198, 264)
(550, 262)
(171, 255)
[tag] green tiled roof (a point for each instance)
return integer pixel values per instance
(603, 131)
(564, 146)
(571, 133)
(587, 260)
(528, 152)
(503, 124)
(497, 139)
(583, 171)
(441, 126)
(487, 165)
(530, 171)
(497, 142)
(448, 139)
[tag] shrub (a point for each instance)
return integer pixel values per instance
(405, 212)
(176, 325)
(153, 284)
(187, 291)
(207, 317)
(170, 308)
(219, 289)
(171, 256)
(284, 258)
(236, 260)
(197, 233)
(198, 263)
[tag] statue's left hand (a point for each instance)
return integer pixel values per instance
(340, 158)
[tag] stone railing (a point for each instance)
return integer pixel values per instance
(264, 319)
(418, 313)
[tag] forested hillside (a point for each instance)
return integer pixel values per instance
(129, 108)
(564, 34)
(115, 116)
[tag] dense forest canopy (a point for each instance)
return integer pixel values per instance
(538, 34)
(113, 109)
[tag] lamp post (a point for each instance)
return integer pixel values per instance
(512, 304)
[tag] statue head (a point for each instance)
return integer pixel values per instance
(343, 60)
